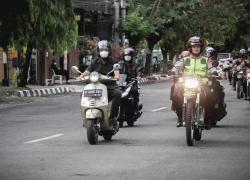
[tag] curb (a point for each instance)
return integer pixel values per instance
(67, 90)
(43, 92)
(142, 80)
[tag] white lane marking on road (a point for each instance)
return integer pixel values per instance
(159, 109)
(43, 139)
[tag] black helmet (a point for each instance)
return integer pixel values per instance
(128, 54)
(211, 52)
(195, 40)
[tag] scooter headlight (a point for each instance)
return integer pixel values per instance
(191, 83)
(94, 77)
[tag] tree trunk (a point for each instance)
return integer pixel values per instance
(22, 82)
(148, 58)
(164, 51)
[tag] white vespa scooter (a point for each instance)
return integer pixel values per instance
(95, 106)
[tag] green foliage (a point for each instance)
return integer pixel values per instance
(217, 21)
(137, 26)
(87, 45)
(47, 25)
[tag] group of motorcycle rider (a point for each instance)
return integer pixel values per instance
(239, 73)
(195, 60)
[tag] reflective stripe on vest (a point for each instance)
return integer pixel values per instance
(196, 66)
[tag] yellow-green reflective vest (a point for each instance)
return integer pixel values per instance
(196, 66)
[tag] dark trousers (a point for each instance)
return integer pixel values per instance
(115, 95)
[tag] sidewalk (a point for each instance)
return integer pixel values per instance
(73, 87)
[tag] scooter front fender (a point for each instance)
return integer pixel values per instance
(93, 114)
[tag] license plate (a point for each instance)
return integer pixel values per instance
(93, 93)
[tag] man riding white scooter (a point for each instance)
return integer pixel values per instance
(103, 65)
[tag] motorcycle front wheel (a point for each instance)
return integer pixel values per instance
(92, 133)
(197, 130)
(188, 120)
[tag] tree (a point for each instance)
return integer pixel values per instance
(148, 23)
(26, 24)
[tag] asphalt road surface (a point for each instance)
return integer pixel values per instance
(45, 140)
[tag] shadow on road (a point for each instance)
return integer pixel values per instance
(233, 126)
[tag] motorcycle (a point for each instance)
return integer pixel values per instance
(240, 82)
(248, 83)
(218, 109)
(131, 109)
(95, 106)
(234, 77)
(193, 112)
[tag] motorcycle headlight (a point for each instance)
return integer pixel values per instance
(94, 77)
(191, 83)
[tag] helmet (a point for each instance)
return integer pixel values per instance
(243, 53)
(126, 41)
(211, 52)
(128, 54)
(104, 44)
(195, 40)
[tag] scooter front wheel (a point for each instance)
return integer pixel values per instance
(92, 133)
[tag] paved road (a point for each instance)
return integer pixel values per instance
(44, 140)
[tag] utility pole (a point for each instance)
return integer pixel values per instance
(123, 9)
(123, 14)
(5, 81)
(116, 22)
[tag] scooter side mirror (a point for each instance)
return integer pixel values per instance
(75, 69)
(116, 67)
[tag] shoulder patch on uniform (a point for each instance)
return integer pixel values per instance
(203, 61)
(187, 61)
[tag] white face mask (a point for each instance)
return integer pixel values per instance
(127, 58)
(104, 54)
